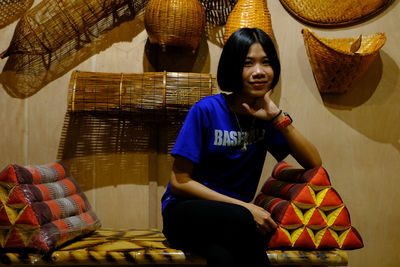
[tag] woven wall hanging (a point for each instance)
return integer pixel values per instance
(338, 62)
(334, 13)
(52, 24)
(217, 11)
(249, 14)
(11, 10)
(138, 92)
(175, 22)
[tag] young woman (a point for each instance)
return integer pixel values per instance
(219, 155)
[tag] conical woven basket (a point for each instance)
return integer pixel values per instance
(338, 62)
(52, 24)
(10, 10)
(217, 11)
(175, 22)
(249, 14)
(137, 92)
(334, 12)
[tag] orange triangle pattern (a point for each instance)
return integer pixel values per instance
(309, 212)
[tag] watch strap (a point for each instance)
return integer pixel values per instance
(286, 121)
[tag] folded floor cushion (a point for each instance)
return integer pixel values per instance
(42, 207)
(309, 212)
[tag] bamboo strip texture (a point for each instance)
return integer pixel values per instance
(175, 22)
(11, 10)
(249, 14)
(137, 92)
(52, 24)
(334, 13)
(217, 11)
(337, 63)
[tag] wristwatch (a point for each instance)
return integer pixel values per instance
(287, 120)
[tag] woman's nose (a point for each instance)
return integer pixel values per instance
(258, 69)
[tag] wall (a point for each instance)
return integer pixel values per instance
(357, 134)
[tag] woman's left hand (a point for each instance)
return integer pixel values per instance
(263, 108)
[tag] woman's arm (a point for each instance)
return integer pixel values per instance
(302, 150)
(182, 184)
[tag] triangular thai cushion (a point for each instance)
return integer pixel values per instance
(42, 207)
(310, 213)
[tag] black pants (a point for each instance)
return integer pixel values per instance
(225, 234)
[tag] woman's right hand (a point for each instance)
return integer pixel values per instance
(263, 218)
(182, 184)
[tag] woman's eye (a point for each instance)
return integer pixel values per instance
(248, 63)
(266, 62)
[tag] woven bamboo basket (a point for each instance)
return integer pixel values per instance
(175, 22)
(137, 92)
(338, 62)
(334, 12)
(53, 24)
(11, 10)
(249, 14)
(217, 11)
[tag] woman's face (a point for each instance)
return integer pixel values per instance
(257, 72)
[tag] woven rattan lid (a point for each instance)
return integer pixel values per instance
(334, 12)
(338, 62)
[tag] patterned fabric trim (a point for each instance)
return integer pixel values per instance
(51, 210)
(49, 191)
(36, 174)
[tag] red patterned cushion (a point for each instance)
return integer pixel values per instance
(309, 212)
(42, 207)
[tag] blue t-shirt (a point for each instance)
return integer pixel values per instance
(212, 139)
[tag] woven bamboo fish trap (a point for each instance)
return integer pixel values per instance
(334, 12)
(249, 14)
(338, 62)
(10, 10)
(217, 11)
(52, 24)
(138, 92)
(175, 22)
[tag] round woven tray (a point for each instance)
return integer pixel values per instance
(338, 62)
(334, 13)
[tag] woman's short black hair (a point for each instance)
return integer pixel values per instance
(231, 62)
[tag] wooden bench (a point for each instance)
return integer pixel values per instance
(110, 247)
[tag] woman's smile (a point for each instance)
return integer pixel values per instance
(257, 73)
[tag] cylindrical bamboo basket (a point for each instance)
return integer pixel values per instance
(52, 24)
(217, 11)
(137, 92)
(338, 62)
(11, 10)
(175, 22)
(249, 14)
(334, 13)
